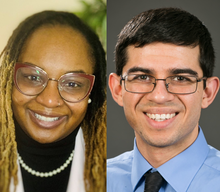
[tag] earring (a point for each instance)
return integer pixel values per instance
(90, 100)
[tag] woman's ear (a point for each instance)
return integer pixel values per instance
(210, 92)
(115, 88)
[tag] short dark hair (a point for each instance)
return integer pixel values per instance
(166, 25)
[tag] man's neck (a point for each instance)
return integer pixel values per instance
(157, 156)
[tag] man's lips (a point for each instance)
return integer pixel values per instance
(161, 120)
(161, 117)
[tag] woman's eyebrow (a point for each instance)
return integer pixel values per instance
(76, 71)
(184, 70)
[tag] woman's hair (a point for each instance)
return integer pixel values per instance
(94, 123)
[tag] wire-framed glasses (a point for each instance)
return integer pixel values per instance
(32, 80)
(178, 84)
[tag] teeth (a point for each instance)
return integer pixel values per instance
(161, 117)
(43, 118)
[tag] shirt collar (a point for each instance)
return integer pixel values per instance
(178, 171)
(139, 167)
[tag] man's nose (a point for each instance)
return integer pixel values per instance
(160, 93)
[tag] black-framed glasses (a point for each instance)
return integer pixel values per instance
(178, 84)
(32, 80)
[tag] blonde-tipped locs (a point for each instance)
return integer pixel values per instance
(8, 146)
(95, 145)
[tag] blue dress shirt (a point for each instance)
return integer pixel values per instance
(196, 169)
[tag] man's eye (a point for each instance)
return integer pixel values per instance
(180, 78)
(183, 79)
(141, 77)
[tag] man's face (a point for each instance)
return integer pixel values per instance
(161, 61)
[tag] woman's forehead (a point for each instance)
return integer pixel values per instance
(58, 48)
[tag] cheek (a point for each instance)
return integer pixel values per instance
(18, 100)
(192, 104)
(78, 110)
(131, 100)
(19, 103)
(131, 106)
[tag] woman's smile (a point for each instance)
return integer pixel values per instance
(47, 121)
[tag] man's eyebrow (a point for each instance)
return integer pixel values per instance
(172, 71)
(140, 69)
(187, 70)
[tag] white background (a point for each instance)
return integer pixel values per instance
(12, 12)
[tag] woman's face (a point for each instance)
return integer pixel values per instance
(57, 50)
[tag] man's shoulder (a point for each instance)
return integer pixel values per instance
(119, 172)
(208, 176)
(120, 161)
(120, 165)
(213, 159)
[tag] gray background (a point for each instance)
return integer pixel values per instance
(119, 134)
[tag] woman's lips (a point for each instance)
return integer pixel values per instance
(46, 121)
(44, 118)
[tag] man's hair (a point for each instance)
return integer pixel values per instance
(166, 25)
(94, 123)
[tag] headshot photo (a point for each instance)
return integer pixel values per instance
(119, 139)
(53, 98)
(163, 101)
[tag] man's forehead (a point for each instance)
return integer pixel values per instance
(163, 46)
(162, 55)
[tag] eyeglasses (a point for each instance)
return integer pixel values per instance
(31, 80)
(143, 83)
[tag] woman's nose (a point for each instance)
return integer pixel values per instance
(50, 96)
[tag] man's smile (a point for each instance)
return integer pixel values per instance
(160, 117)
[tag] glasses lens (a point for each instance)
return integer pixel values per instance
(30, 80)
(139, 83)
(182, 84)
(74, 87)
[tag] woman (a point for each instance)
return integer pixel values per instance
(53, 114)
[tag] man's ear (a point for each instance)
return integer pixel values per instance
(210, 92)
(115, 88)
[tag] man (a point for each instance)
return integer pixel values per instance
(164, 77)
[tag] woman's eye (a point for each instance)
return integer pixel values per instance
(33, 78)
(73, 85)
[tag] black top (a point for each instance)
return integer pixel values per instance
(45, 158)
